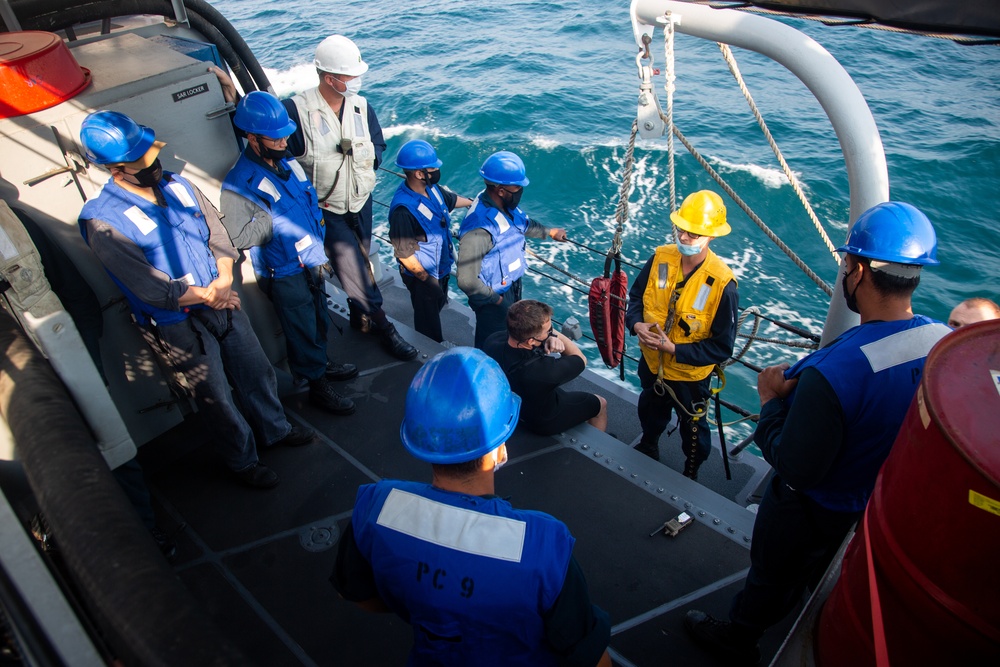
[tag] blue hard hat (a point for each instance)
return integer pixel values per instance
(458, 407)
(417, 154)
(262, 113)
(504, 168)
(893, 232)
(110, 137)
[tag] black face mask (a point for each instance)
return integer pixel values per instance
(273, 154)
(150, 176)
(851, 299)
(433, 177)
(515, 199)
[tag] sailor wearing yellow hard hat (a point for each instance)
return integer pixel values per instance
(682, 306)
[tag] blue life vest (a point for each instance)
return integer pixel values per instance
(174, 239)
(297, 228)
(435, 254)
(874, 369)
(505, 262)
(472, 575)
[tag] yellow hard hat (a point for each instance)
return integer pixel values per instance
(702, 213)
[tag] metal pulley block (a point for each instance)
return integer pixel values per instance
(650, 117)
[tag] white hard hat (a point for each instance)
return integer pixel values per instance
(338, 55)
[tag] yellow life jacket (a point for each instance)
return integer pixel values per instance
(694, 309)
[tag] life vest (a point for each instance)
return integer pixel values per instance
(607, 300)
(297, 229)
(875, 369)
(697, 303)
(505, 263)
(173, 239)
(472, 572)
(343, 182)
(435, 254)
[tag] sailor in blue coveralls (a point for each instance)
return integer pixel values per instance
(163, 244)
(420, 233)
(481, 583)
(828, 423)
(491, 256)
(270, 207)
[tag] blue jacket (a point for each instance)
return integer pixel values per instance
(472, 575)
(874, 369)
(174, 239)
(505, 263)
(297, 229)
(435, 254)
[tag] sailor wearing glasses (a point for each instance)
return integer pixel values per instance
(165, 247)
(682, 306)
(491, 257)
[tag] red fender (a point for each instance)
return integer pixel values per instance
(608, 300)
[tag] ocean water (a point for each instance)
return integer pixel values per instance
(556, 83)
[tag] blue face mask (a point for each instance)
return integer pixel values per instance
(688, 250)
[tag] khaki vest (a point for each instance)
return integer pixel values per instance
(696, 304)
(343, 182)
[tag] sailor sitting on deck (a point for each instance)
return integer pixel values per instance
(491, 256)
(682, 306)
(525, 354)
(165, 247)
(270, 206)
(828, 423)
(420, 233)
(481, 583)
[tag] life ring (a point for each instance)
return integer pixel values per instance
(608, 301)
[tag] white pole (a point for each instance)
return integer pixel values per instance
(829, 82)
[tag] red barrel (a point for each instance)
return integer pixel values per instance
(933, 524)
(37, 71)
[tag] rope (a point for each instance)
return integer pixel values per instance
(752, 310)
(735, 70)
(621, 211)
(671, 76)
(779, 341)
(753, 216)
(601, 253)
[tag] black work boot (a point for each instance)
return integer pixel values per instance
(322, 395)
(691, 459)
(722, 638)
(340, 371)
(650, 448)
(394, 344)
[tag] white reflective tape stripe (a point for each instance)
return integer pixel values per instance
(267, 187)
(424, 211)
(140, 220)
(703, 292)
(7, 247)
(515, 265)
(453, 527)
(303, 243)
(501, 221)
(903, 347)
(181, 192)
(296, 168)
(437, 195)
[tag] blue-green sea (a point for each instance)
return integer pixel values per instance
(556, 83)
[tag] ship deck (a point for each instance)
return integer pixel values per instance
(259, 561)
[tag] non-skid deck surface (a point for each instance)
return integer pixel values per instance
(260, 560)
